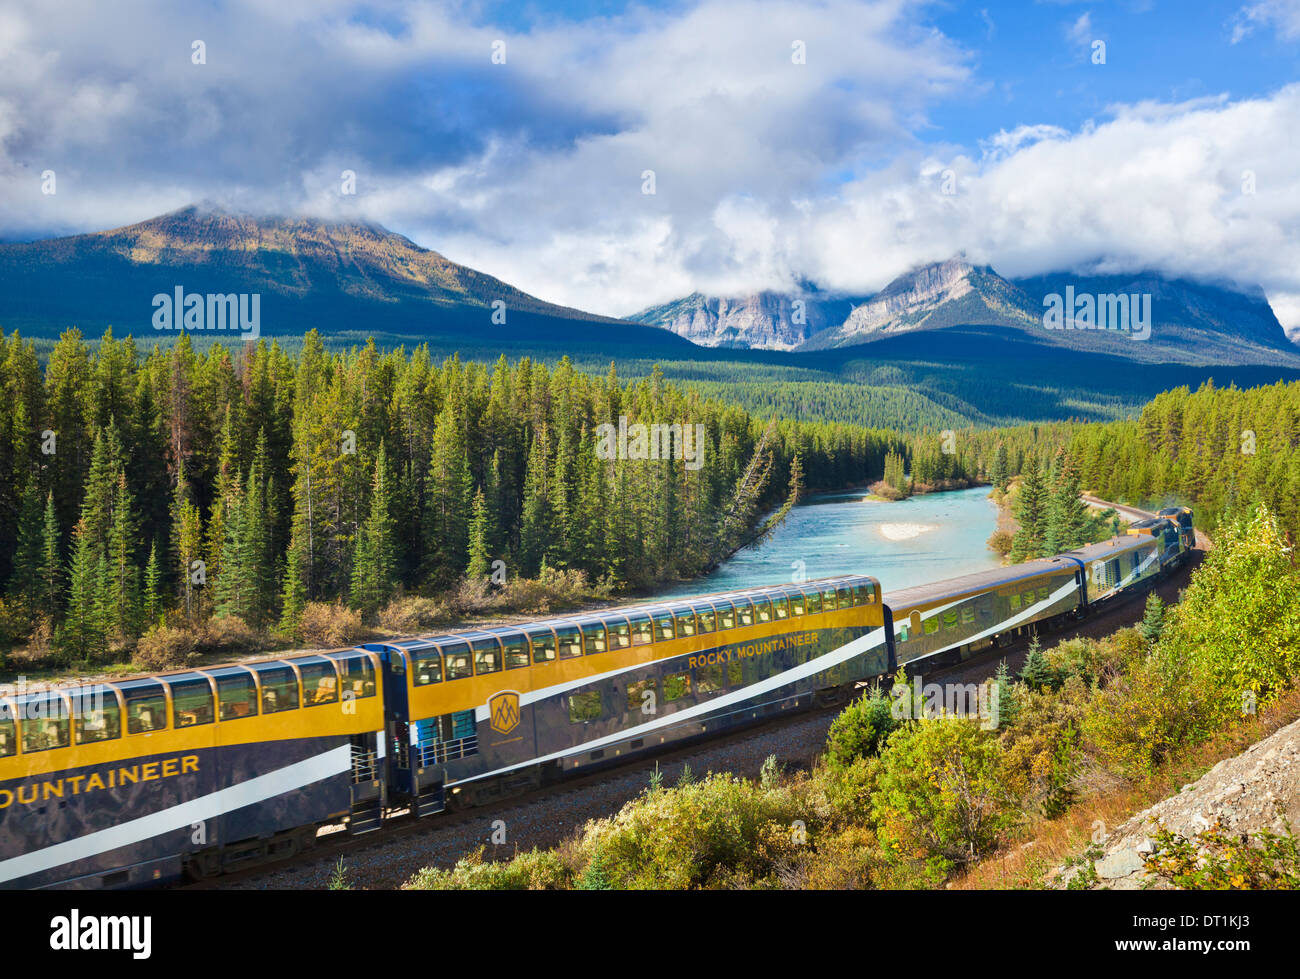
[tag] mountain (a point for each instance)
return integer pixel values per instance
(932, 297)
(339, 277)
(1192, 322)
(762, 320)
(1157, 319)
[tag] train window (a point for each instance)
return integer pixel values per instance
(1043, 592)
(676, 686)
(762, 610)
(569, 640)
(780, 606)
(515, 647)
(967, 614)
(861, 594)
(726, 615)
(45, 722)
(320, 684)
(593, 637)
(664, 625)
(829, 601)
(279, 688)
(710, 679)
(642, 629)
(1015, 602)
(356, 676)
(584, 706)
(798, 606)
(456, 660)
(236, 696)
(487, 656)
(845, 593)
(8, 733)
(620, 634)
(814, 602)
(685, 622)
(706, 618)
(543, 643)
(1028, 598)
(426, 666)
(636, 695)
(931, 626)
(191, 701)
(744, 611)
(96, 715)
(146, 709)
(734, 672)
(950, 619)
(904, 632)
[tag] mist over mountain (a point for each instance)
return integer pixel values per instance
(1190, 322)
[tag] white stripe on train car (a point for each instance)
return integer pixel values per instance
(846, 652)
(254, 790)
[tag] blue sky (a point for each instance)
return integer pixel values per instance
(906, 132)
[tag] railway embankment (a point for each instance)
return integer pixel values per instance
(1239, 797)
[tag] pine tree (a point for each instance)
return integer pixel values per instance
(1153, 622)
(1031, 513)
(479, 558)
(1037, 672)
(153, 600)
(374, 567)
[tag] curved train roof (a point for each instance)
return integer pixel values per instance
(916, 594)
(635, 611)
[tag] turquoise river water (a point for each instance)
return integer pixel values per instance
(911, 542)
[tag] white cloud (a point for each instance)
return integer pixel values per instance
(766, 170)
(1282, 15)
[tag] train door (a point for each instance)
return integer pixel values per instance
(397, 756)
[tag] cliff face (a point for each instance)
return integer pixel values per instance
(763, 320)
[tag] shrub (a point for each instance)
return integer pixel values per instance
(1000, 542)
(941, 794)
(1215, 860)
(860, 729)
(231, 635)
(413, 614)
(532, 871)
(329, 625)
(165, 648)
(720, 830)
(1241, 613)
(1160, 704)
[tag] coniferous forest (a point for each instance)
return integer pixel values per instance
(175, 487)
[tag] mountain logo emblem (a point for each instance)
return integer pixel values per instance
(503, 708)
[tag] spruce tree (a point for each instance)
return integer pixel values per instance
(1031, 513)
(479, 559)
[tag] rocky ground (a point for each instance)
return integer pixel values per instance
(1258, 789)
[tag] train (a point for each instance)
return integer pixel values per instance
(196, 773)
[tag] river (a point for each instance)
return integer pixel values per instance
(910, 542)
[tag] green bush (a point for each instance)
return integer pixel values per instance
(941, 794)
(531, 871)
(860, 729)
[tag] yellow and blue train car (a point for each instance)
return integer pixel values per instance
(962, 616)
(478, 714)
(126, 783)
(1166, 533)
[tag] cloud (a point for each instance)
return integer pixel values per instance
(766, 170)
(1281, 15)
